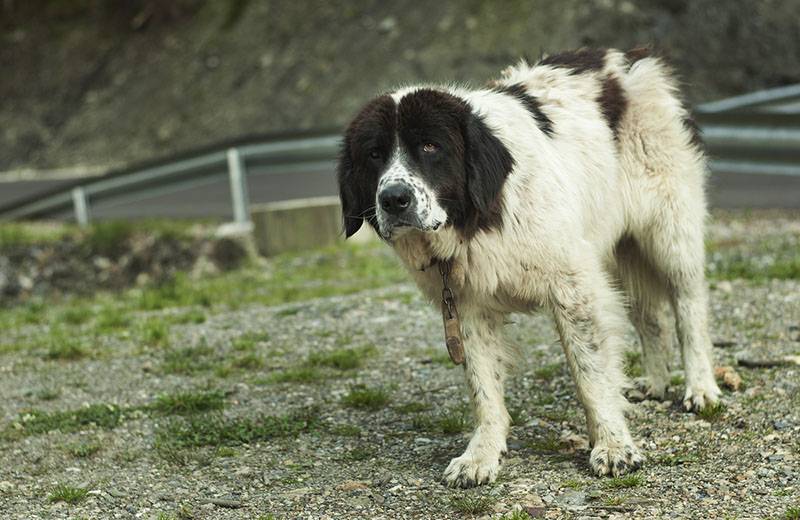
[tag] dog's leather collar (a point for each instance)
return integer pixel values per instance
(452, 325)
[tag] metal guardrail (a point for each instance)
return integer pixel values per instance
(758, 133)
(272, 157)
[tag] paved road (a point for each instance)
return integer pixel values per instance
(210, 197)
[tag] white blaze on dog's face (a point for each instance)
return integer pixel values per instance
(421, 160)
(404, 200)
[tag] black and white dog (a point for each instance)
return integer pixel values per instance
(575, 185)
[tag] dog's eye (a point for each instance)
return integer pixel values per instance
(375, 155)
(430, 148)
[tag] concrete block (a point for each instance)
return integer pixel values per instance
(297, 225)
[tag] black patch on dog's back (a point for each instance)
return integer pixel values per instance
(580, 61)
(639, 53)
(613, 103)
(530, 103)
(372, 131)
(469, 171)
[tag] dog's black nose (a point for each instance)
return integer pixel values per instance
(395, 198)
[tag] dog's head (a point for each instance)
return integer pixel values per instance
(422, 159)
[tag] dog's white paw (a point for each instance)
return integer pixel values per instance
(699, 396)
(615, 460)
(470, 470)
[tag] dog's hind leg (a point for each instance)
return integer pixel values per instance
(589, 317)
(650, 312)
(487, 358)
(676, 246)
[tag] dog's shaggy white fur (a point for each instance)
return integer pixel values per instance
(600, 215)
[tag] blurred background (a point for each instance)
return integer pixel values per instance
(93, 87)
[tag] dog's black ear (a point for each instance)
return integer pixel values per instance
(488, 162)
(353, 208)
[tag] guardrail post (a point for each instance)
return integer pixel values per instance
(238, 178)
(81, 204)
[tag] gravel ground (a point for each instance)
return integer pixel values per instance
(380, 426)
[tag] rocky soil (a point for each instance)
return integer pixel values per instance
(113, 257)
(347, 407)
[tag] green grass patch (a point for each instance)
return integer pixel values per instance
(14, 234)
(84, 449)
(633, 364)
(109, 238)
(627, 481)
(793, 513)
(77, 315)
(105, 416)
(187, 360)
(364, 398)
(712, 412)
(226, 451)
(360, 453)
(249, 341)
(451, 421)
(215, 430)
(195, 316)
(547, 372)
(154, 332)
(185, 403)
(676, 459)
(48, 394)
(64, 346)
(413, 407)
(772, 257)
(345, 430)
(342, 359)
(111, 319)
(572, 483)
(248, 362)
(68, 494)
(472, 504)
(545, 444)
(301, 374)
(338, 270)
(516, 515)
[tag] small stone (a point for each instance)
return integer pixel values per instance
(780, 424)
(226, 502)
(387, 24)
(352, 485)
(729, 377)
(572, 498)
(725, 286)
(422, 440)
(116, 493)
(6, 486)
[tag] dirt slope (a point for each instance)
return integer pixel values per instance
(88, 85)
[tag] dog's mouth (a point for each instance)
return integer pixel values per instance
(393, 230)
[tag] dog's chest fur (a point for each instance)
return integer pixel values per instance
(475, 280)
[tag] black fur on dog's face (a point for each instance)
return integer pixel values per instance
(423, 162)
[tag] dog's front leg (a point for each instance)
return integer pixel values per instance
(588, 314)
(485, 368)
